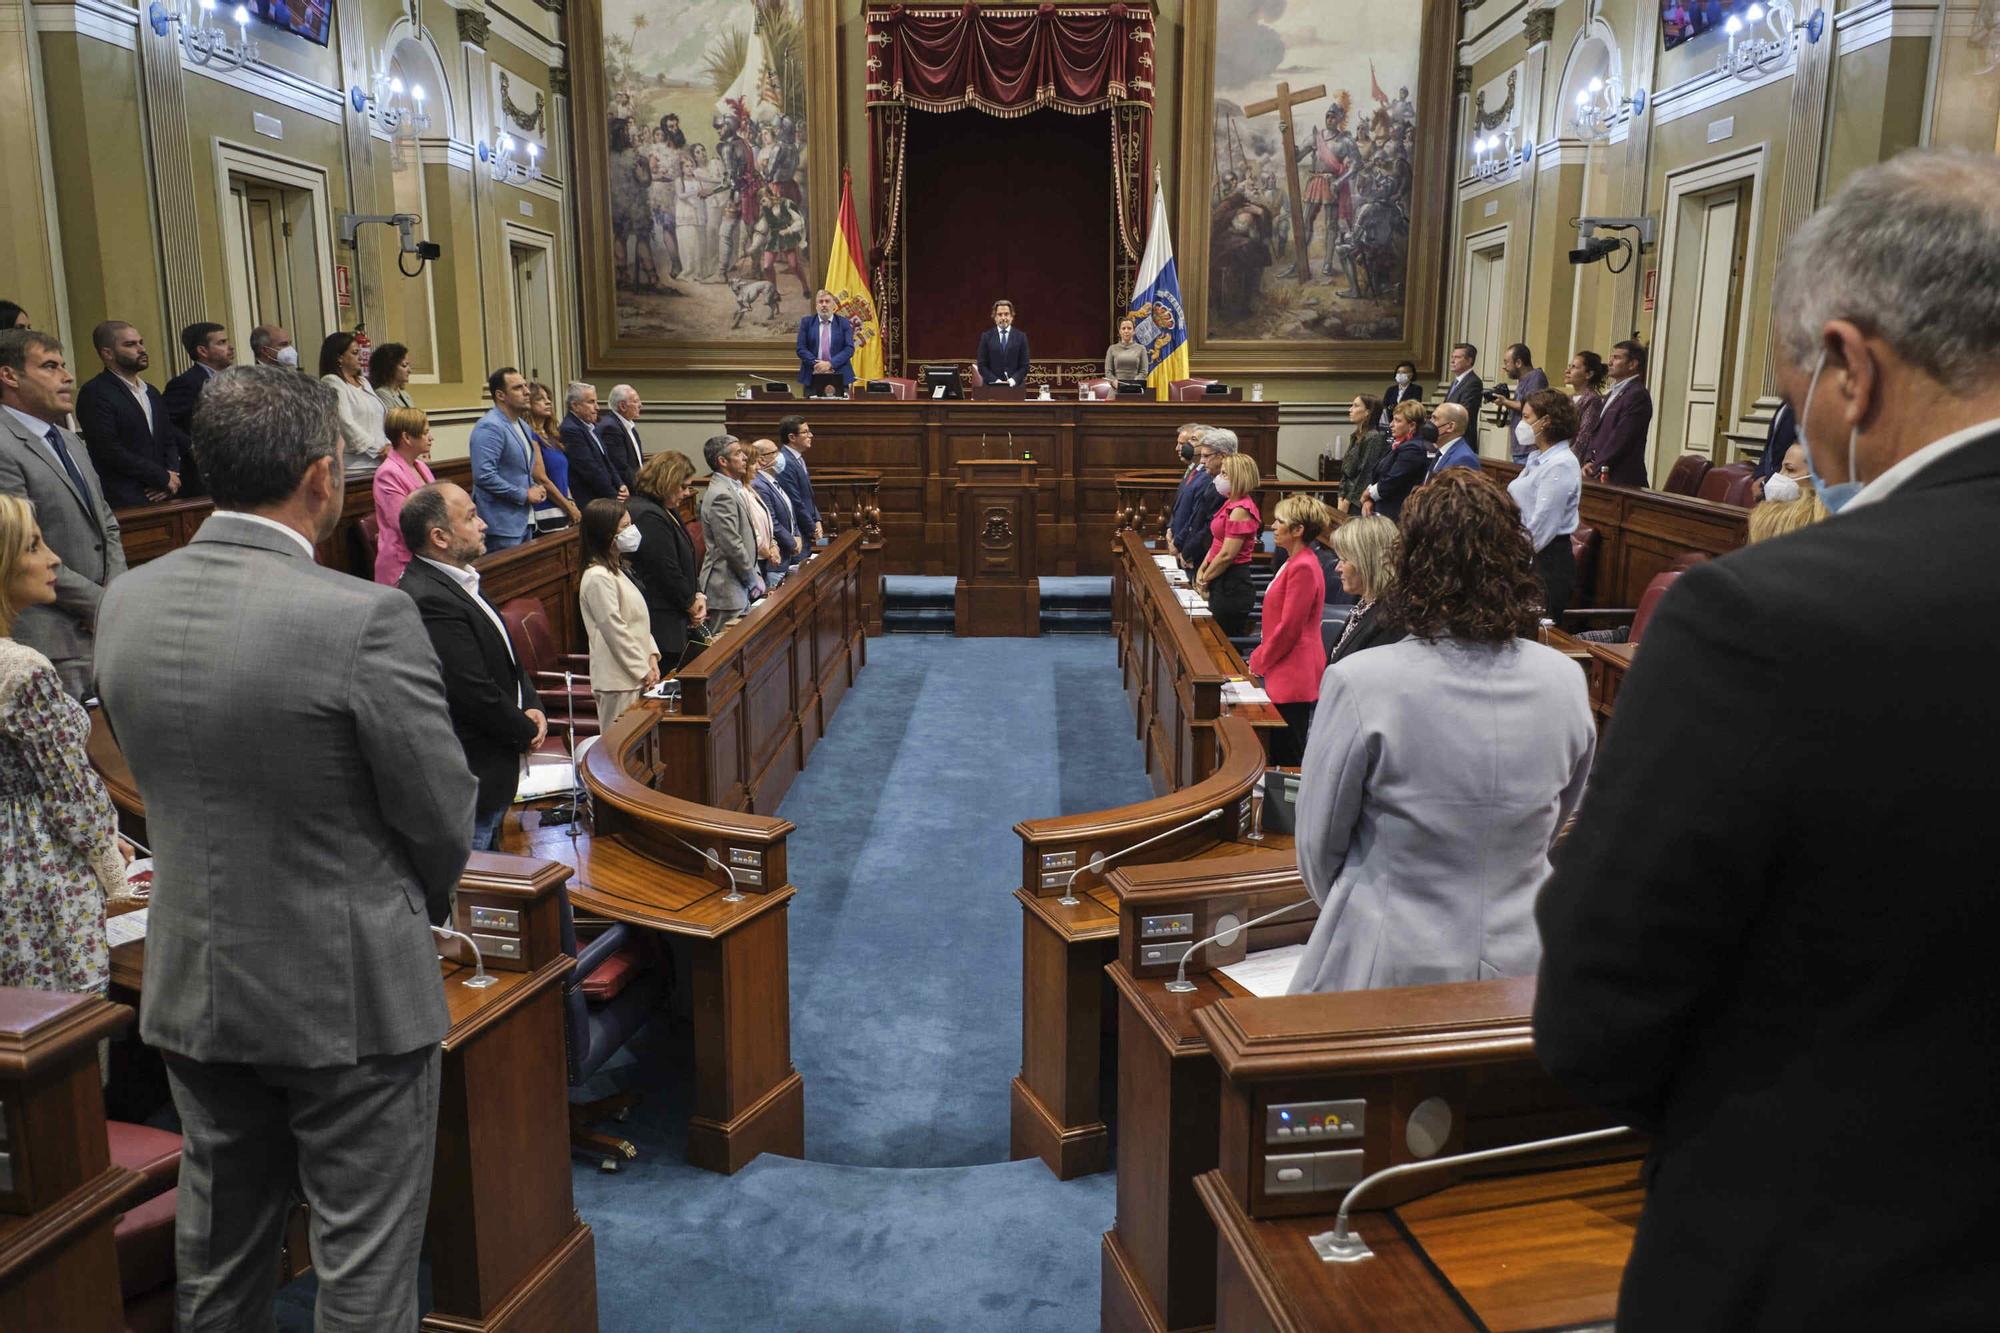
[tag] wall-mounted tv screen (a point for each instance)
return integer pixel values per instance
(310, 19)
(1682, 19)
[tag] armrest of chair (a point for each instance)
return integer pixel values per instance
(1600, 615)
(577, 662)
(591, 955)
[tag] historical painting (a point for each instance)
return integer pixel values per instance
(1310, 174)
(702, 134)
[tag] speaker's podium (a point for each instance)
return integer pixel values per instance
(998, 594)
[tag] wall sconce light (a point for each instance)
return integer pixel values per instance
(401, 109)
(1748, 55)
(202, 38)
(1493, 154)
(1603, 104)
(504, 161)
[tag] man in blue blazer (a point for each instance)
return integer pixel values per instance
(1454, 450)
(764, 456)
(1003, 349)
(503, 474)
(592, 474)
(826, 343)
(136, 449)
(795, 438)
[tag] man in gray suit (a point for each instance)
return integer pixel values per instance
(50, 467)
(729, 574)
(311, 812)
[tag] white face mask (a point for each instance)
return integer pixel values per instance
(1524, 434)
(1402, 378)
(779, 466)
(1834, 496)
(1222, 486)
(627, 540)
(288, 356)
(1781, 489)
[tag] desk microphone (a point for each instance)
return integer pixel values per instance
(1180, 985)
(1097, 863)
(734, 895)
(480, 978)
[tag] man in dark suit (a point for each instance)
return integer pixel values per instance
(208, 346)
(133, 442)
(1003, 349)
(784, 522)
(1466, 387)
(1190, 523)
(494, 708)
(591, 473)
(1795, 994)
(310, 812)
(1782, 435)
(794, 442)
(49, 467)
(1618, 445)
(618, 432)
(825, 343)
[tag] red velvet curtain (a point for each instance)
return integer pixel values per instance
(1005, 62)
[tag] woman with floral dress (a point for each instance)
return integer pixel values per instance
(59, 854)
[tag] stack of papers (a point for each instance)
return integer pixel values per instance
(1243, 692)
(1192, 603)
(546, 775)
(126, 927)
(1266, 973)
(1166, 562)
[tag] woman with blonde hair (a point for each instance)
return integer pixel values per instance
(664, 566)
(1224, 576)
(56, 820)
(1405, 465)
(1367, 550)
(1790, 501)
(623, 657)
(402, 473)
(1290, 656)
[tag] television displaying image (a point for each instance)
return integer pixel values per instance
(310, 19)
(1682, 19)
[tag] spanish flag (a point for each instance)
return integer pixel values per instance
(1156, 305)
(847, 279)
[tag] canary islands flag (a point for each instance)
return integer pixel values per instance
(1156, 305)
(847, 279)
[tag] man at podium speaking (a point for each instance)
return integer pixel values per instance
(1003, 349)
(826, 347)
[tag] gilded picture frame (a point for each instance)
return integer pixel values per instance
(637, 325)
(1248, 310)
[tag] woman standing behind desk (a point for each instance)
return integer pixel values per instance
(1441, 767)
(361, 412)
(403, 471)
(1291, 658)
(669, 577)
(1364, 453)
(1124, 359)
(623, 657)
(1549, 492)
(1224, 576)
(56, 821)
(1367, 550)
(549, 463)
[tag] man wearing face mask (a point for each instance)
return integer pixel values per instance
(1185, 454)
(1806, 1027)
(1529, 379)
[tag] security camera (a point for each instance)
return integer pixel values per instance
(1592, 247)
(406, 228)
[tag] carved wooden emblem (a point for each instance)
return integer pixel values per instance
(998, 531)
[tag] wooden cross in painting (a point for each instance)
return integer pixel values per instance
(1283, 104)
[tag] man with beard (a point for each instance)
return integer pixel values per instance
(133, 441)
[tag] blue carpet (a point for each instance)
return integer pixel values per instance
(906, 976)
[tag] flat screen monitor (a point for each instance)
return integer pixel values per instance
(310, 19)
(1681, 20)
(945, 377)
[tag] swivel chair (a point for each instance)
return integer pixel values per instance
(619, 977)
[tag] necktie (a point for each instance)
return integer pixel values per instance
(826, 340)
(54, 437)
(1003, 337)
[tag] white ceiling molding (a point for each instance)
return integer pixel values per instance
(112, 24)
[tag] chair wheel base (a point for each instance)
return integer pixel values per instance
(610, 1150)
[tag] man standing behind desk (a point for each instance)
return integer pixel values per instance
(46, 465)
(310, 812)
(826, 345)
(1804, 1022)
(503, 474)
(1003, 349)
(1618, 445)
(133, 441)
(795, 438)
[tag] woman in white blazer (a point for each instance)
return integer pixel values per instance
(623, 657)
(1441, 768)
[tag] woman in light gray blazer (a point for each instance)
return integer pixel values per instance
(1441, 768)
(729, 575)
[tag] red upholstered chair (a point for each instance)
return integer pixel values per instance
(367, 539)
(1099, 388)
(144, 1234)
(535, 644)
(978, 380)
(696, 539)
(1188, 391)
(1730, 484)
(1634, 618)
(1649, 601)
(1686, 476)
(1583, 544)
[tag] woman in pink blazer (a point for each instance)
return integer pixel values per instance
(402, 471)
(1291, 657)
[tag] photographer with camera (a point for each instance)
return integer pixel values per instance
(1529, 379)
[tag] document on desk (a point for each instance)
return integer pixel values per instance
(1268, 972)
(1166, 562)
(126, 927)
(1243, 692)
(1192, 603)
(546, 775)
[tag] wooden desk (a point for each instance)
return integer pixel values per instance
(1608, 664)
(1081, 446)
(756, 701)
(1641, 533)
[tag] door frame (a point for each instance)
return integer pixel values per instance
(1696, 178)
(240, 159)
(534, 238)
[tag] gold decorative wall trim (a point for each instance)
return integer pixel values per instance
(473, 26)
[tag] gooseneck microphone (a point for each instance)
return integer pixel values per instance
(734, 895)
(1180, 985)
(480, 978)
(1098, 863)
